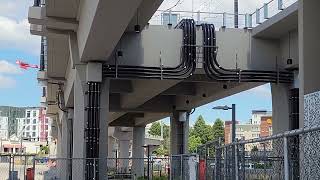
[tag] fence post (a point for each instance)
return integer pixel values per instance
(181, 166)
(198, 18)
(280, 5)
(170, 18)
(286, 158)
(34, 166)
(265, 11)
(225, 162)
(250, 21)
(258, 16)
(224, 20)
(94, 168)
(236, 167)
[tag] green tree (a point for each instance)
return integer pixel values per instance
(194, 142)
(155, 129)
(218, 129)
(202, 130)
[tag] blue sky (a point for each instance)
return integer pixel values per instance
(20, 87)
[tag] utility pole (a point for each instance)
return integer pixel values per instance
(236, 14)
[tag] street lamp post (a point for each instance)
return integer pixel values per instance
(233, 133)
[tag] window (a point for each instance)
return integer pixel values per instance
(28, 114)
(33, 134)
(34, 128)
(46, 127)
(46, 120)
(34, 114)
(27, 134)
(34, 121)
(23, 134)
(255, 129)
(28, 128)
(28, 121)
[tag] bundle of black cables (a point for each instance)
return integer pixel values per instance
(184, 70)
(218, 73)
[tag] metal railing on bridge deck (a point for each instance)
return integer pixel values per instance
(39, 3)
(290, 155)
(226, 20)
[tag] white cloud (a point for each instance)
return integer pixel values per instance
(262, 91)
(6, 82)
(8, 68)
(16, 35)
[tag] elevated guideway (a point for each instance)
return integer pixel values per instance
(113, 69)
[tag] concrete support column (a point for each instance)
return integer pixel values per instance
(138, 151)
(59, 139)
(124, 146)
(179, 134)
(308, 60)
(80, 119)
(65, 143)
(280, 108)
(103, 136)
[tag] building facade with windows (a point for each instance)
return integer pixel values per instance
(4, 128)
(35, 126)
(259, 126)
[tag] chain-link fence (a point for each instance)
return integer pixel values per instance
(184, 167)
(290, 156)
(31, 167)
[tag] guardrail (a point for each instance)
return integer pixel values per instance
(224, 20)
(39, 3)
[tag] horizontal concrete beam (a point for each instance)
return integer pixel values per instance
(181, 89)
(121, 86)
(37, 15)
(127, 120)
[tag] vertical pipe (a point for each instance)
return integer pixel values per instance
(286, 158)
(42, 54)
(236, 13)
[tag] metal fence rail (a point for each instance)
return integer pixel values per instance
(289, 156)
(223, 19)
(32, 167)
(184, 167)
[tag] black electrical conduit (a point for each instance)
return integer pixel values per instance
(217, 72)
(182, 71)
(92, 130)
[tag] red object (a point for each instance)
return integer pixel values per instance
(202, 169)
(25, 66)
(30, 174)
